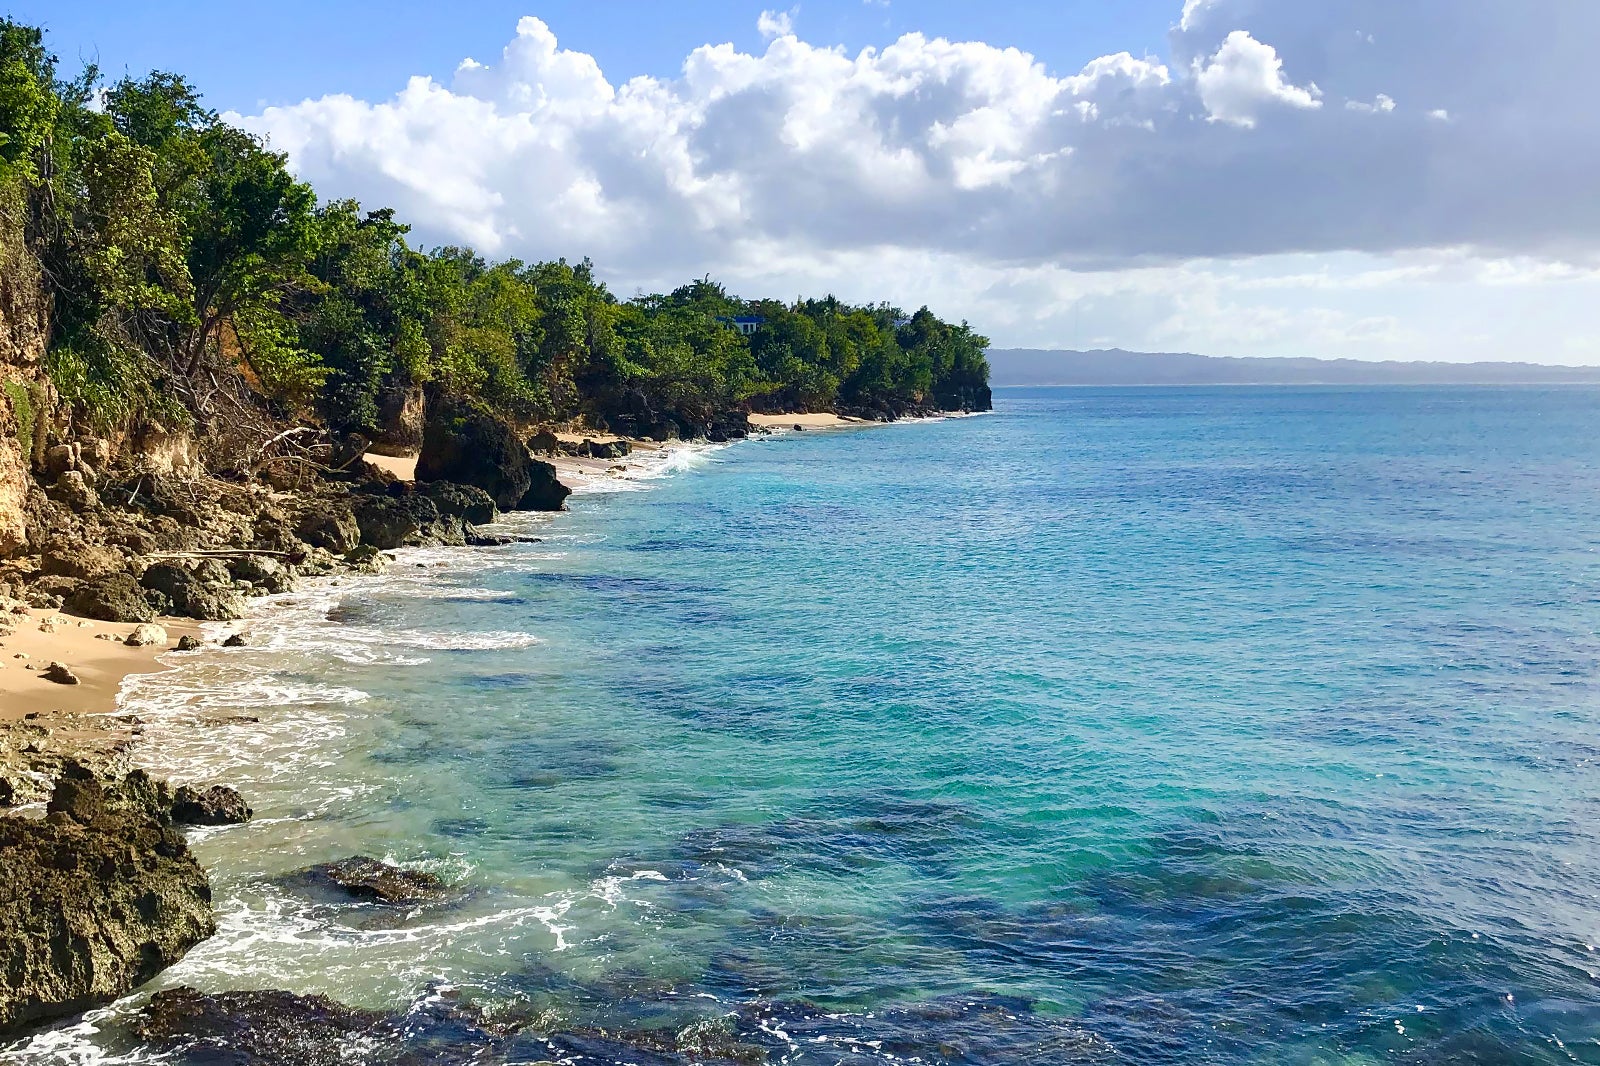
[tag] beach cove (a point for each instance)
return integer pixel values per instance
(1278, 775)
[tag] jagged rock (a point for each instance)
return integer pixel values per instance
(389, 522)
(235, 640)
(466, 444)
(611, 449)
(58, 459)
(366, 559)
(147, 635)
(545, 491)
(365, 878)
(72, 490)
(97, 898)
(217, 805)
(275, 1028)
(487, 540)
(113, 598)
(206, 592)
(51, 591)
(544, 442)
(82, 561)
(60, 673)
(467, 502)
(401, 418)
(334, 529)
(189, 643)
(263, 572)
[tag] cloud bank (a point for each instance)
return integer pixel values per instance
(1440, 132)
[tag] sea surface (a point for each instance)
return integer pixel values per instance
(1188, 725)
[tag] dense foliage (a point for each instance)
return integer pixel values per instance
(180, 254)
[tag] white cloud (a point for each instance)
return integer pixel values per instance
(978, 176)
(775, 24)
(1382, 104)
(1246, 77)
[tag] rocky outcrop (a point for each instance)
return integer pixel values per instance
(545, 491)
(465, 444)
(217, 805)
(205, 591)
(375, 881)
(97, 898)
(401, 420)
(113, 598)
(466, 502)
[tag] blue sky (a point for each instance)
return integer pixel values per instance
(1361, 178)
(297, 49)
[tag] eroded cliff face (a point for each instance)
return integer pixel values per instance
(24, 322)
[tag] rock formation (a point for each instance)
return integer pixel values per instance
(97, 898)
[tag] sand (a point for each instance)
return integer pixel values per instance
(100, 665)
(818, 421)
(402, 467)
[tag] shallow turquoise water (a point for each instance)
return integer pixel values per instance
(1160, 725)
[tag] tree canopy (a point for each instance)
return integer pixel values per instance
(180, 251)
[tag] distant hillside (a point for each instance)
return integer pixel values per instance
(1028, 366)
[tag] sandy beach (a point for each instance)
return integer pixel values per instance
(812, 421)
(42, 637)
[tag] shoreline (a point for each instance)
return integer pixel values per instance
(103, 666)
(43, 724)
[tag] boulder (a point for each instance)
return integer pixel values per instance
(98, 897)
(334, 528)
(375, 881)
(466, 444)
(72, 490)
(389, 522)
(466, 502)
(545, 491)
(235, 640)
(610, 449)
(113, 598)
(190, 643)
(60, 673)
(263, 572)
(206, 592)
(217, 805)
(82, 561)
(147, 635)
(544, 442)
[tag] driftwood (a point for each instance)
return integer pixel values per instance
(223, 553)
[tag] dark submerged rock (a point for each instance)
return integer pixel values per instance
(217, 805)
(97, 898)
(373, 880)
(235, 640)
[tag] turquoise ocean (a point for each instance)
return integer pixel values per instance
(1233, 726)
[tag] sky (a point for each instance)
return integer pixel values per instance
(1343, 178)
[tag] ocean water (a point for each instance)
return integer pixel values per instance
(1235, 726)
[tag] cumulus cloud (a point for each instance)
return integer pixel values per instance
(1246, 77)
(775, 24)
(762, 165)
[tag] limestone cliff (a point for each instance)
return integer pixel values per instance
(24, 320)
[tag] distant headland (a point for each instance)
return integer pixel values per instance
(1030, 366)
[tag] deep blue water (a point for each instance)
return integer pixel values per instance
(1150, 726)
